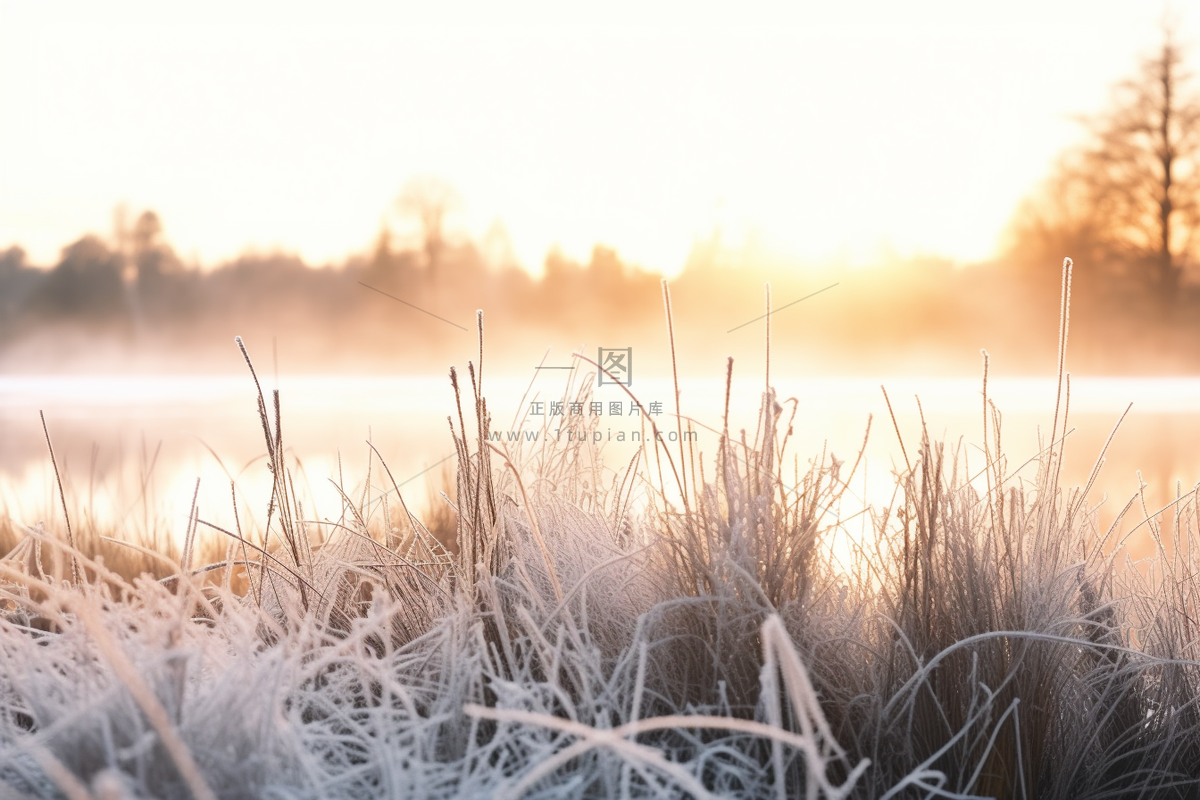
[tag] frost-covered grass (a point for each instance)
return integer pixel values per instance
(681, 630)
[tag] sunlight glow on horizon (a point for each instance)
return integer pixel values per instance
(813, 131)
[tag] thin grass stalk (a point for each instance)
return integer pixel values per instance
(1064, 323)
(62, 496)
(987, 452)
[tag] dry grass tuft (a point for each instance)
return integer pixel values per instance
(978, 644)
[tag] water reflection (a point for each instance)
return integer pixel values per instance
(132, 448)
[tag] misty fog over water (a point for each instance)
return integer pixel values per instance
(114, 434)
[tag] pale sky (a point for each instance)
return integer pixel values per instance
(822, 130)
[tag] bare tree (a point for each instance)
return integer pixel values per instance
(429, 200)
(1130, 194)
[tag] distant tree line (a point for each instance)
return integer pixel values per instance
(1124, 204)
(132, 288)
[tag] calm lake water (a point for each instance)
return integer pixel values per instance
(114, 434)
